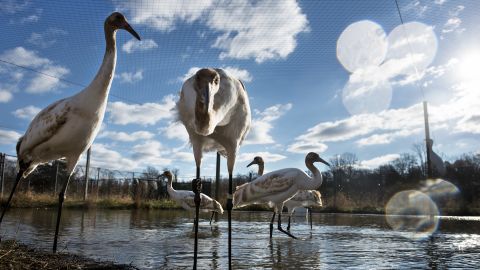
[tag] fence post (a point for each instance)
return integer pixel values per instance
(2, 172)
(87, 169)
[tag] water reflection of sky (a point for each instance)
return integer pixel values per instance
(163, 239)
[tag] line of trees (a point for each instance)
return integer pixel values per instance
(347, 186)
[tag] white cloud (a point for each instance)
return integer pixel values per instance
(263, 124)
(131, 77)
(30, 19)
(163, 15)
(377, 161)
(43, 84)
(183, 156)
(127, 137)
(47, 38)
(28, 112)
(151, 153)
(12, 6)
(5, 96)
(244, 28)
(143, 114)
(386, 138)
(303, 147)
(175, 130)
(454, 22)
(241, 74)
(9, 136)
(247, 29)
(440, 2)
(103, 157)
(24, 57)
(134, 45)
(267, 157)
(39, 83)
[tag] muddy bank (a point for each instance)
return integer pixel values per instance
(18, 256)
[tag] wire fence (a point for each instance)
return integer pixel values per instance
(345, 187)
(101, 183)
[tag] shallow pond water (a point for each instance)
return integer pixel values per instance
(160, 239)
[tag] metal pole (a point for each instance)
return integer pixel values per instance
(87, 169)
(217, 183)
(428, 141)
(196, 188)
(56, 178)
(2, 172)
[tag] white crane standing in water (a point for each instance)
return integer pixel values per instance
(303, 198)
(185, 198)
(215, 110)
(275, 188)
(66, 128)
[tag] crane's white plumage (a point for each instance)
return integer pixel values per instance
(185, 198)
(304, 198)
(215, 110)
(66, 128)
(277, 187)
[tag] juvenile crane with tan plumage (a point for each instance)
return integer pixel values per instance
(185, 198)
(303, 198)
(275, 188)
(67, 128)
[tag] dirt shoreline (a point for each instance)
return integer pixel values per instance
(14, 255)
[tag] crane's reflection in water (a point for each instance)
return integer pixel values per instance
(153, 239)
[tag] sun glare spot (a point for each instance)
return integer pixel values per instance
(469, 66)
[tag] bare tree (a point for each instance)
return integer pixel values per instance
(420, 150)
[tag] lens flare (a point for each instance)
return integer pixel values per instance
(413, 214)
(439, 189)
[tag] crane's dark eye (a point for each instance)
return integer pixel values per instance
(215, 81)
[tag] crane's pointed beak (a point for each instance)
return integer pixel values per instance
(323, 161)
(206, 98)
(251, 163)
(128, 28)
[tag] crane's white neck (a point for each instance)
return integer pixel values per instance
(317, 179)
(100, 86)
(260, 169)
(170, 189)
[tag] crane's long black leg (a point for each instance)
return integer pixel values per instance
(19, 176)
(310, 217)
(229, 212)
(197, 188)
(280, 226)
(288, 227)
(211, 218)
(61, 199)
(271, 224)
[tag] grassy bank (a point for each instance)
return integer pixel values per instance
(343, 204)
(17, 256)
(25, 200)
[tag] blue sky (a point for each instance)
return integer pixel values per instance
(323, 76)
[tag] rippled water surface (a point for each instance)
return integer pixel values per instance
(155, 239)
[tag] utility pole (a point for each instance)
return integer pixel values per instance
(428, 141)
(2, 172)
(87, 169)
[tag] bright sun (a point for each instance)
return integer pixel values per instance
(469, 66)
